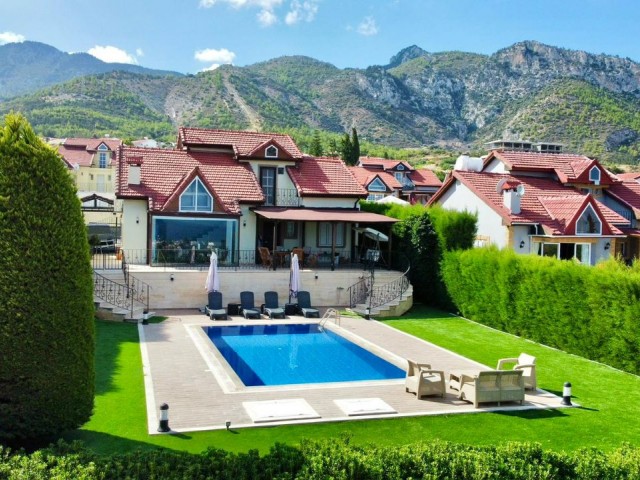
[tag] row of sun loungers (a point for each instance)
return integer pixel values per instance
(271, 307)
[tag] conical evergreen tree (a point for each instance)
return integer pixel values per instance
(46, 291)
(355, 147)
(346, 149)
(315, 148)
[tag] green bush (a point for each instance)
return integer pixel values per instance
(328, 459)
(46, 291)
(593, 312)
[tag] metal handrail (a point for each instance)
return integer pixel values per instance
(138, 289)
(365, 290)
(112, 292)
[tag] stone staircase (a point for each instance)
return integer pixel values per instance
(107, 311)
(394, 308)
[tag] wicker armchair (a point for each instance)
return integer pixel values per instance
(424, 381)
(265, 257)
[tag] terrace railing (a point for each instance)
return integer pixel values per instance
(367, 292)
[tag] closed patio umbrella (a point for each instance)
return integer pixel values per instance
(213, 281)
(294, 277)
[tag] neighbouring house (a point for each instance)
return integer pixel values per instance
(233, 192)
(91, 162)
(536, 199)
(382, 177)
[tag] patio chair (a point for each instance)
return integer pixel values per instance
(424, 381)
(247, 305)
(214, 308)
(304, 305)
(492, 386)
(524, 362)
(271, 308)
(300, 253)
(265, 257)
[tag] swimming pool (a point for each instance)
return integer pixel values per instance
(296, 354)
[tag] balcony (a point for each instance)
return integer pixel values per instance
(281, 197)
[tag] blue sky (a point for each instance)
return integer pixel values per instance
(192, 35)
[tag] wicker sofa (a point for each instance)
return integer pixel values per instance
(494, 386)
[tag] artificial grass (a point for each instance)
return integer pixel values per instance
(608, 415)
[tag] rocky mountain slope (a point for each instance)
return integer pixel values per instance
(453, 99)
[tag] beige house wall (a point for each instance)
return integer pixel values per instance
(186, 290)
(134, 226)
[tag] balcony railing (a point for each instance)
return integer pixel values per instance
(281, 197)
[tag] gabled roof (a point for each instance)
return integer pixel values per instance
(364, 177)
(628, 193)
(545, 201)
(628, 176)
(164, 172)
(383, 163)
(80, 151)
(244, 144)
(325, 176)
(425, 177)
(569, 168)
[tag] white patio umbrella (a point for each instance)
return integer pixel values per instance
(294, 277)
(213, 281)
(392, 199)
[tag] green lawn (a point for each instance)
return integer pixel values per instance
(609, 399)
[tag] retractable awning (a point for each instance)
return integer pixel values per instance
(322, 215)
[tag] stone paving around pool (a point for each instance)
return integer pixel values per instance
(183, 369)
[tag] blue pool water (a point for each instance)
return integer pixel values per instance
(296, 354)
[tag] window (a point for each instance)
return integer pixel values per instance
(268, 184)
(594, 175)
(102, 156)
(271, 152)
(399, 176)
(549, 250)
(583, 253)
(377, 186)
(103, 160)
(325, 231)
(291, 230)
(588, 223)
(375, 196)
(196, 198)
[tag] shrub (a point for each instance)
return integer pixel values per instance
(46, 299)
(593, 312)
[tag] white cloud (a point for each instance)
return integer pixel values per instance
(112, 54)
(267, 18)
(301, 11)
(216, 56)
(139, 52)
(367, 27)
(10, 37)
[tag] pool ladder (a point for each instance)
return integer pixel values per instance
(330, 313)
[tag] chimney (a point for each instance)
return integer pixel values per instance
(512, 191)
(135, 166)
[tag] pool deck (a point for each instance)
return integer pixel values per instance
(183, 369)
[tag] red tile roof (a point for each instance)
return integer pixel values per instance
(325, 176)
(545, 201)
(80, 151)
(244, 144)
(425, 177)
(569, 168)
(163, 172)
(627, 192)
(628, 176)
(383, 163)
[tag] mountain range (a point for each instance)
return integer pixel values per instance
(456, 100)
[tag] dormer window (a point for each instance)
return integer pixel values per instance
(589, 223)
(271, 152)
(399, 176)
(196, 198)
(102, 156)
(594, 175)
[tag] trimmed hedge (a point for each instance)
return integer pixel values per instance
(328, 459)
(46, 291)
(593, 312)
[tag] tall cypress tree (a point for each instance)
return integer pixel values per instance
(46, 291)
(315, 148)
(355, 147)
(346, 149)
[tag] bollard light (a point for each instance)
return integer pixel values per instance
(171, 277)
(163, 426)
(566, 394)
(228, 424)
(367, 315)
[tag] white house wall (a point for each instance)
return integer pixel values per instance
(495, 166)
(459, 197)
(134, 225)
